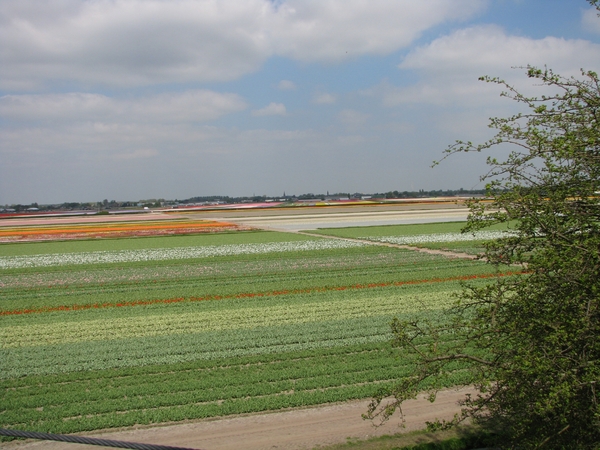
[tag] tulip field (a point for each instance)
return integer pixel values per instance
(103, 333)
(112, 230)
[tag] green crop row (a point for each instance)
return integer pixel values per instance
(131, 375)
(293, 377)
(93, 355)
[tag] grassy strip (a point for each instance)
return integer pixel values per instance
(458, 438)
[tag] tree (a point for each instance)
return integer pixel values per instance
(529, 343)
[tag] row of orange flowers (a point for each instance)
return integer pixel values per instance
(251, 294)
(113, 228)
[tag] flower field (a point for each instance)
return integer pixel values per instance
(117, 332)
(111, 229)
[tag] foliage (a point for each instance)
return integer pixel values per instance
(532, 342)
(468, 442)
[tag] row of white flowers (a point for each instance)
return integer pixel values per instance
(125, 256)
(440, 237)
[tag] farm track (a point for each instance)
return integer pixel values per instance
(392, 245)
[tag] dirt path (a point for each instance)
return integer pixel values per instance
(390, 244)
(293, 430)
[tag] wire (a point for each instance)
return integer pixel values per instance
(85, 440)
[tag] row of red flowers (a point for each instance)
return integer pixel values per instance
(249, 294)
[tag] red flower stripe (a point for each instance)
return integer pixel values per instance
(249, 294)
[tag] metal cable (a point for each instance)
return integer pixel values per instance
(86, 440)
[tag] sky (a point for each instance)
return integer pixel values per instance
(148, 99)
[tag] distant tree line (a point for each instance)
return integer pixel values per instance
(308, 196)
(156, 203)
(435, 193)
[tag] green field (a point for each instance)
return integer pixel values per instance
(100, 334)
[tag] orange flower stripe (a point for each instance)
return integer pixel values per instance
(114, 228)
(251, 294)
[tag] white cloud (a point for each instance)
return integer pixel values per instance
(324, 99)
(141, 153)
(94, 142)
(131, 42)
(193, 106)
(590, 20)
(352, 118)
(334, 30)
(489, 47)
(145, 42)
(286, 85)
(450, 66)
(272, 109)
